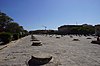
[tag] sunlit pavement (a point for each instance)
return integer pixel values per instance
(65, 52)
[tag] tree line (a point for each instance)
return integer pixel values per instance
(9, 28)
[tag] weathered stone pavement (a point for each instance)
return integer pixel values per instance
(65, 52)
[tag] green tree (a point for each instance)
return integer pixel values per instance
(13, 27)
(4, 20)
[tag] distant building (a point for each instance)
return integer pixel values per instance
(67, 29)
(97, 30)
(76, 29)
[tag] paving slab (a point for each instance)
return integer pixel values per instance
(65, 51)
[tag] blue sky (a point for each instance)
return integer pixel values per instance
(34, 14)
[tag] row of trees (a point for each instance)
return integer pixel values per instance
(43, 32)
(8, 26)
